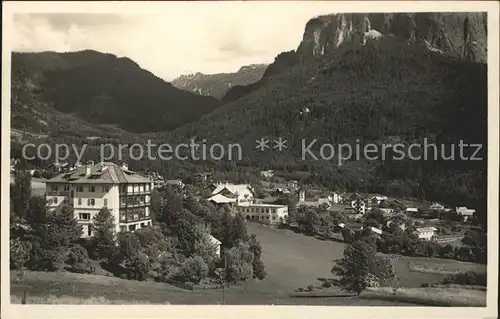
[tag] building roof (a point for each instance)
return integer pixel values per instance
(465, 211)
(232, 188)
(173, 181)
(101, 173)
(268, 199)
(221, 199)
(213, 240)
(426, 229)
(247, 204)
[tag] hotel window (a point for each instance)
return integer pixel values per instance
(92, 189)
(89, 231)
(105, 202)
(66, 187)
(84, 216)
(141, 188)
(55, 200)
(79, 201)
(91, 202)
(105, 189)
(54, 188)
(80, 188)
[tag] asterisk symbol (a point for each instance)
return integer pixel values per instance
(262, 144)
(280, 144)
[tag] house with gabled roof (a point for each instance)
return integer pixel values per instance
(242, 192)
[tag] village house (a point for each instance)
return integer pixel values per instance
(465, 212)
(348, 198)
(240, 192)
(282, 191)
(221, 200)
(377, 232)
(216, 243)
(411, 210)
(336, 198)
(359, 206)
(426, 233)
(437, 206)
(264, 213)
(201, 177)
(292, 184)
(387, 211)
(87, 189)
(267, 174)
(156, 178)
(175, 183)
(302, 195)
(376, 200)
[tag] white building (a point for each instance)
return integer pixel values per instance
(240, 192)
(337, 198)
(359, 206)
(264, 213)
(216, 243)
(411, 210)
(267, 174)
(465, 212)
(426, 232)
(437, 206)
(376, 200)
(87, 189)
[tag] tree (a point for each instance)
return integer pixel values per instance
(53, 238)
(259, 270)
(78, 260)
(194, 269)
(360, 267)
(238, 230)
(19, 254)
(21, 192)
(239, 263)
(104, 239)
(377, 215)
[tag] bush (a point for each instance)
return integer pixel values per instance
(78, 260)
(19, 253)
(194, 269)
(469, 278)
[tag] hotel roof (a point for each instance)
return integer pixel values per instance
(101, 173)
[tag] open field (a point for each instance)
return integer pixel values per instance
(80, 289)
(446, 297)
(292, 261)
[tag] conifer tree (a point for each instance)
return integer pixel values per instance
(104, 234)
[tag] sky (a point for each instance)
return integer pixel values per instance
(181, 38)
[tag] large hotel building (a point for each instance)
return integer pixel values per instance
(89, 188)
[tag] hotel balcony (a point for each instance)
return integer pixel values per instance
(129, 217)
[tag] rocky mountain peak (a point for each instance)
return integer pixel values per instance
(458, 34)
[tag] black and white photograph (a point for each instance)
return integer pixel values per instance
(248, 153)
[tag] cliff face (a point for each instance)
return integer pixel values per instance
(217, 85)
(458, 34)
